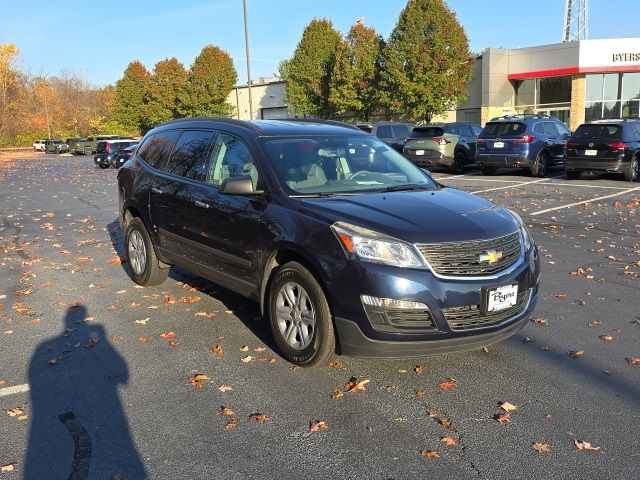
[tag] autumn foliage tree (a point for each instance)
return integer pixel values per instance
(354, 83)
(166, 91)
(130, 97)
(310, 70)
(426, 63)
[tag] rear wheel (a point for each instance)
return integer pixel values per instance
(632, 173)
(141, 257)
(573, 174)
(488, 170)
(459, 160)
(300, 317)
(539, 168)
(87, 151)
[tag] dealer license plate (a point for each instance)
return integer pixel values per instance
(591, 153)
(502, 297)
(419, 152)
(498, 145)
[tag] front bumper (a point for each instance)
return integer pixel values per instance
(583, 164)
(100, 160)
(358, 336)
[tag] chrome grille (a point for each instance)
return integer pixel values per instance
(462, 259)
(470, 317)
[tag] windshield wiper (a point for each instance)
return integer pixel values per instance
(406, 187)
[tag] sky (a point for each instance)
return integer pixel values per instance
(97, 41)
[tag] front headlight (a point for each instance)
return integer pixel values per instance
(370, 246)
(526, 237)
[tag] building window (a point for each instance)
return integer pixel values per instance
(612, 95)
(554, 90)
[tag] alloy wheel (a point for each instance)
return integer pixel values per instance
(295, 316)
(137, 252)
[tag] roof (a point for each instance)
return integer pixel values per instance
(272, 127)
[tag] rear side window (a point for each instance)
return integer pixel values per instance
(550, 128)
(189, 157)
(452, 129)
(477, 129)
(505, 128)
(384, 131)
(157, 148)
(427, 132)
(596, 130)
(401, 131)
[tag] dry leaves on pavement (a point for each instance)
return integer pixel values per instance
(541, 447)
(198, 380)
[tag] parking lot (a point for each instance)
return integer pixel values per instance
(73, 323)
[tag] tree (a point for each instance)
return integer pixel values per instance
(354, 84)
(310, 69)
(130, 96)
(165, 92)
(210, 80)
(426, 63)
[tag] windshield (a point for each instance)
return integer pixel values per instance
(341, 164)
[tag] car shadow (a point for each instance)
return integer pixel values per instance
(246, 310)
(79, 429)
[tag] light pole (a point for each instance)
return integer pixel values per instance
(246, 46)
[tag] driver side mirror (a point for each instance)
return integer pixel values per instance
(242, 185)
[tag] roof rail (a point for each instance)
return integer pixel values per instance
(325, 121)
(523, 115)
(234, 121)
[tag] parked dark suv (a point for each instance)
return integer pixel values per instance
(392, 133)
(450, 145)
(528, 141)
(604, 146)
(346, 245)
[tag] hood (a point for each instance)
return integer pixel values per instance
(418, 216)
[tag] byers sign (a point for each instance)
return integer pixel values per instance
(615, 54)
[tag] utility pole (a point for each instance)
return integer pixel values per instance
(576, 20)
(246, 46)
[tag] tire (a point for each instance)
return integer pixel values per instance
(459, 161)
(293, 281)
(488, 170)
(573, 174)
(87, 151)
(103, 166)
(539, 168)
(141, 256)
(633, 172)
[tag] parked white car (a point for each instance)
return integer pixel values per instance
(39, 145)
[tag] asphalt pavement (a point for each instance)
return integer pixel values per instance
(97, 375)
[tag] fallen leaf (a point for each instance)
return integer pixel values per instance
(576, 353)
(226, 412)
(429, 454)
(540, 321)
(198, 380)
(317, 425)
(606, 338)
(170, 300)
(446, 423)
(507, 407)
(448, 385)
(247, 359)
(502, 418)
(561, 295)
(448, 441)
(204, 314)
(259, 349)
(168, 335)
(224, 388)
(258, 417)
(418, 369)
(53, 361)
(421, 393)
(355, 386)
(582, 445)
(115, 261)
(217, 351)
(541, 447)
(244, 348)
(142, 321)
(335, 365)
(633, 360)
(231, 424)
(142, 339)
(173, 344)
(337, 393)
(190, 300)
(10, 467)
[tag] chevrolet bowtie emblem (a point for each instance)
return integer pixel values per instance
(490, 256)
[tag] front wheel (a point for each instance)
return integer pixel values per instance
(141, 257)
(632, 173)
(300, 317)
(87, 151)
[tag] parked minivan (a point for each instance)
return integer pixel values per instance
(345, 244)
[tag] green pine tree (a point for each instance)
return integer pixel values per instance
(130, 94)
(166, 91)
(309, 71)
(210, 80)
(426, 63)
(354, 84)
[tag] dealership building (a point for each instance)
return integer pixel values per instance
(573, 81)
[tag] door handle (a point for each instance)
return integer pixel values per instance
(201, 204)
(156, 190)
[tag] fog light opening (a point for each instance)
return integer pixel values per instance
(392, 303)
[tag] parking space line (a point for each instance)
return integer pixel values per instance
(513, 186)
(562, 184)
(584, 202)
(460, 175)
(13, 390)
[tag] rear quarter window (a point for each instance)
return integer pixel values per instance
(156, 148)
(504, 128)
(599, 131)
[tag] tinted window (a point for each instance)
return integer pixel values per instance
(157, 148)
(477, 129)
(231, 158)
(465, 131)
(595, 130)
(401, 131)
(505, 128)
(452, 129)
(424, 132)
(550, 128)
(189, 157)
(384, 131)
(562, 129)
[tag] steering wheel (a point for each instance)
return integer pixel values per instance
(359, 172)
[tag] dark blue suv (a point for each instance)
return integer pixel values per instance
(535, 142)
(347, 246)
